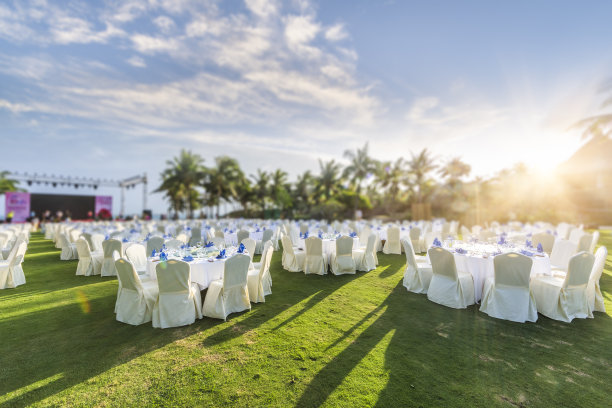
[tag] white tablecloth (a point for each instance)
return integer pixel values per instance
(202, 271)
(481, 268)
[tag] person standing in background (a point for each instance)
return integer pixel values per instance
(9, 216)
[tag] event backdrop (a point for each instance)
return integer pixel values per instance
(19, 204)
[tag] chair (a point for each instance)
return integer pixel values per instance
(179, 302)
(174, 244)
(69, 251)
(575, 235)
(230, 294)
(416, 240)
(561, 253)
(218, 242)
(11, 273)
(507, 295)
(267, 244)
(87, 237)
(137, 255)
(136, 299)
(182, 237)
(486, 235)
(154, 243)
(96, 240)
(366, 259)
(417, 276)
(547, 240)
(584, 243)
(566, 298)
(220, 234)
(112, 251)
(242, 234)
(315, 260)
(595, 298)
(249, 245)
(343, 262)
(594, 242)
(447, 286)
(265, 236)
(392, 244)
(292, 260)
(429, 238)
(196, 236)
(465, 233)
(259, 280)
(90, 263)
(364, 235)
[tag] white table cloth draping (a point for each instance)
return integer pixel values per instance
(202, 271)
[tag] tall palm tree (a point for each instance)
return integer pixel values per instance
(454, 170)
(7, 184)
(303, 190)
(223, 182)
(391, 176)
(360, 166)
(279, 188)
(180, 180)
(261, 187)
(328, 181)
(420, 166)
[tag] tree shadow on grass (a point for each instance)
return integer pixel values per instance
(471, 358)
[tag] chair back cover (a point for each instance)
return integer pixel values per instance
(128, 278)
(182, 237)
(154, 243)
(371, 243)
(344, 246)
(562, 251)
(314, 246)
(267, 235)
(442, 262)
(303, 228)
(287, 245)
(547, 240)
(109, 246)
(219, 242)
(236, 271)
(174, 244)
(87, 237)
(575, 235)
(415, 233)
(173, 276)
(410, 258)
(242, 235)
(393, 234)
(584, 243)
(579, 269)
(512, 269)
(196, 236)
(594, 242)
(96, 240)
(220, 234)
(249, 244)
(599, 264)
(83, 248)
(137, 256)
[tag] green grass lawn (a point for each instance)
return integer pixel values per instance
(347, 341)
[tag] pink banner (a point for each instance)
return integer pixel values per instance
(17, 205)
(104, 203)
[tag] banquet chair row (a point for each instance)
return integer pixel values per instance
(511, 294)
(175, 301)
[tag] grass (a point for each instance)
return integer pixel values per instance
(346, 341)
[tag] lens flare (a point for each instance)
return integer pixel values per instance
(83, 301)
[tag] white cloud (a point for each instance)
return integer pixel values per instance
(164, 23)
(299, 32)
(137, 62)
(336, 33)
(14, 107)
(151, 45)
(262, 8)
(420, 106)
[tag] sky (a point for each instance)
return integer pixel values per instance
(112, 89)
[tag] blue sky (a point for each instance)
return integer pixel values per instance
(115, 88)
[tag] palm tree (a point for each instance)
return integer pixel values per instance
(7, 184)
(391, 176)
(223, 181)
(454, 170)
(261, 187)
(420, 166)
(599, 126)
(279, 188)
(361, 165)
(180, 179)
(328, 181)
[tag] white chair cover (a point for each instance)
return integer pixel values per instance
(249, 245)
(231, 294)
(416, 240)
(196, 236)
(596, 300)
(154, 243)
(292, 261)
(562, 251)
(96, 240)
(179, 302)
(242, 235)
(392, 244)
(417, 276)
(315, 262)
(135, 300)
(137, 256)
(69, 251)
(507, 295)
(584, 243)
(565, 299)
(547, 240)
(11, 273)
(182, 237)
(342, 262)
(112, 251)
(259, 280)
(447, 286)
(174, 244)
(366, 257)
(90, 263)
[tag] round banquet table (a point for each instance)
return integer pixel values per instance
(202, 271)
(482, 268)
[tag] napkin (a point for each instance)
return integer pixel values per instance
(528, 244)
(461, 251)
(188, 258)
(436, 242)
(241, 248)
(502, 240)
(528, 253)
(153, 253)
(320, 235)
(163, 256)
(125, 240)
(353, 235)
(133, 231)
(221, 254)
(106, 237)
(209, 245)
(540, 248)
